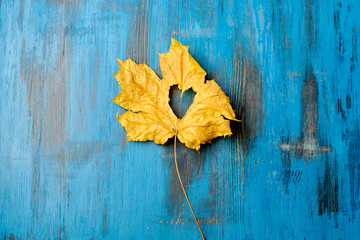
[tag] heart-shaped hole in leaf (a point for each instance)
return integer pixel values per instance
(180, 104)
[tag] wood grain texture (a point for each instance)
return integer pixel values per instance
(290, 69)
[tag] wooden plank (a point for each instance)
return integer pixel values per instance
(290, 69)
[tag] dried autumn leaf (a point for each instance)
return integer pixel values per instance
(149, 116)
(147, 98)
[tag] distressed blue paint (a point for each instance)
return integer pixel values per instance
(290, 69)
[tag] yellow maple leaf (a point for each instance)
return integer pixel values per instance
(146, 97)
(149, 115)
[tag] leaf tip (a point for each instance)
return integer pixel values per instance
(144, 63)
(173, 40)
(119, 61)
(129, 60)
(176, 44)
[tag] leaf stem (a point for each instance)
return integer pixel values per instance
(182, 186)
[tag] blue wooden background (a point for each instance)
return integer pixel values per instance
(289, 67)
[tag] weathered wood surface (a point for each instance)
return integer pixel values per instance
(290, 69)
